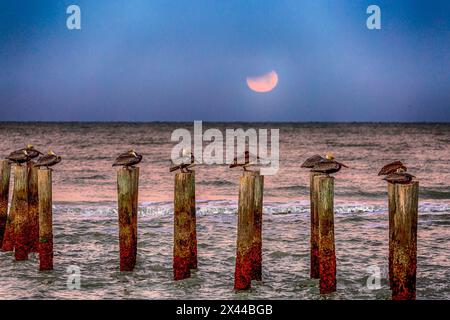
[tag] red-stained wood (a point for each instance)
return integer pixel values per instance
(404, 258)
(245, 253)
(5, 172)
(314, 227)
(184, 232)
(327, 256)
(45, 247)
(22, 219)
(127, 190)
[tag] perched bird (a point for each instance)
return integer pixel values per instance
(32, 152)
(392, 168)
(18, 156)
(128, 159)
(328, 165)
(184, 163)
(49, 160)
(312, 161)
(399, 177)
(246, 163)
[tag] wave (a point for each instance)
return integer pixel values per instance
(434, 193)
(225, 207)
(216, 183)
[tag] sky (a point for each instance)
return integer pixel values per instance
(173, 60)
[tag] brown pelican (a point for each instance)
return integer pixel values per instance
(312, 161)
(128, 159)
(392, 167)
(183, 163)
(32, 152)
(18, 156)
(246, 163)
(49, 160)
(328, 165)
(400, 177)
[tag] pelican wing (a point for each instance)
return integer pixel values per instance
(32, 152)
(312, 161)
(48, 160)
(326, 165)
(18, 155)
(391, 168)
(182, 160)
(402, 177)
(127, 159)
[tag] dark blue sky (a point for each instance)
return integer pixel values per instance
(150, 60)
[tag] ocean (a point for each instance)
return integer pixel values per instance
(86, 226)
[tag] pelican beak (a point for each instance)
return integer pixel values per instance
(343, 165)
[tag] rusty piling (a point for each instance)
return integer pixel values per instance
(314, 233)
(327, 256)
(184, 230)
(33, 207)
(22, 219)
(404, 257)
(127, 189)
(45, 218)
(5, 172)
(245, 232)
(257, 227)
(391, 208)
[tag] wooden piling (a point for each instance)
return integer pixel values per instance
(22, 218)
(33, 206)
(391, 208)
(404, 258)
(314, 239)
(5, 172)
(193, 230)
(327, 256)
(8, 236)
(245, 232)
(45, 219)
(127, 188)
(184, 227)
(257, 227)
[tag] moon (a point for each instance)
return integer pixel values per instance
(264, 83)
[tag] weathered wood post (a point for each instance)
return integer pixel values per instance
(8, 236)
(245, 232)
(404, 258)
(33, 206)
(257, 227)
(127, 188)
(314, 240)
(327, 256)
(45, 219)
(22, 218)
(184, 227)
(5, 172)
(391, 208)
